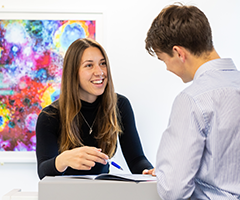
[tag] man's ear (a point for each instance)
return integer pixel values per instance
(180, 53)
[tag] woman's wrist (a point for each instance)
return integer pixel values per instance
(60, 162)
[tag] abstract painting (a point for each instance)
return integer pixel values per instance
(31, 59)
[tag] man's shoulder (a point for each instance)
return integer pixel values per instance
(199, 86)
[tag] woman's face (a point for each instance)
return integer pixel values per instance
(92, 74)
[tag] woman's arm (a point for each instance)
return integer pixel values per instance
(129, 139)
(47, 130)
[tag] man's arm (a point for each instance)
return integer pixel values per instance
(180, 150)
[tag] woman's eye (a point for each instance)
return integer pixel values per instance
(103, 63)
(89, 65)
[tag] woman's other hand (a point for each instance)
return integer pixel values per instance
(149, 171)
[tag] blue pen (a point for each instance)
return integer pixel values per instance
(115, 164)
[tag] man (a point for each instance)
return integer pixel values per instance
(199, 153)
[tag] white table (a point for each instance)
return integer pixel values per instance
(62, 188)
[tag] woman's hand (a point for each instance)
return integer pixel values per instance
(81, 158)
(149, 171)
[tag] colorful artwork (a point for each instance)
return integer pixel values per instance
(31, 58)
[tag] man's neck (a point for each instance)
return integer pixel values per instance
(209, 56)
(196, 61)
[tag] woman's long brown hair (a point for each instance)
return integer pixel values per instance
(108, 120)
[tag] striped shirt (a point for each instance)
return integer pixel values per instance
(199, 152)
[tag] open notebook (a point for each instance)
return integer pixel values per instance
(119, 177)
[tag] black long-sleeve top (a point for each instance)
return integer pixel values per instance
(48, 133)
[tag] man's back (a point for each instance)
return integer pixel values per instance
(216, 91)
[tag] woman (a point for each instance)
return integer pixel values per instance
(78, 133)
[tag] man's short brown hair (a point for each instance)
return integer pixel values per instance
(179, 25)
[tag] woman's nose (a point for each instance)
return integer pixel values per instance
(98, 70)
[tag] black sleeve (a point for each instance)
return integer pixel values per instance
(47, 130)
(129, 139)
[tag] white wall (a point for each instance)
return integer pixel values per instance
(142, 78)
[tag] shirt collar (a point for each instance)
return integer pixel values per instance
(222, 64)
